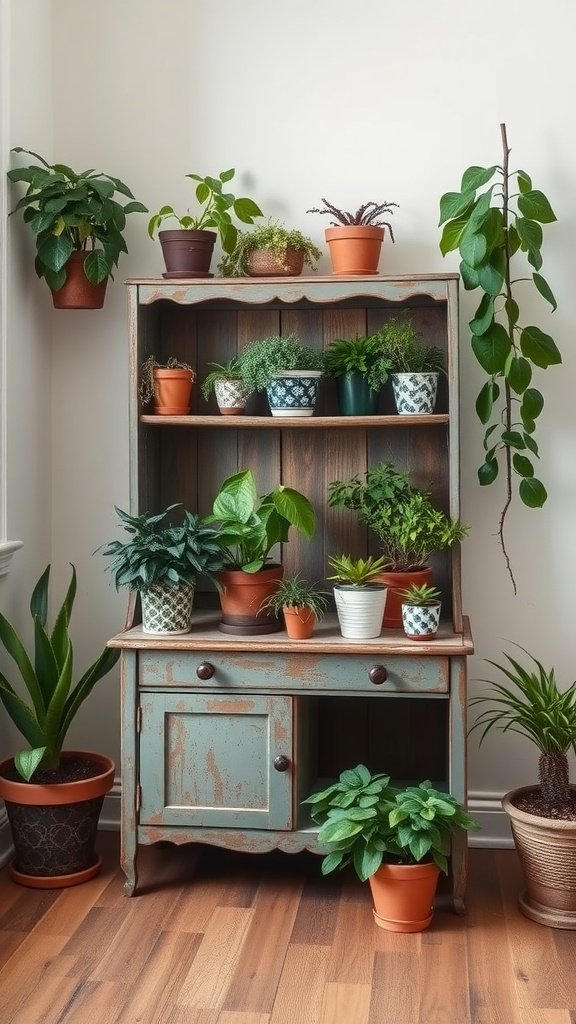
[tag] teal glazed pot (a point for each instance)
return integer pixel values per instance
(355, 396)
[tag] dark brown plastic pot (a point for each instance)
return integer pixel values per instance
(187, 253)
(78, 292)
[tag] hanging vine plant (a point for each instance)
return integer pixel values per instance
(490, 227)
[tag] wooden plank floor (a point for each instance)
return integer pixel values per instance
(226, 938)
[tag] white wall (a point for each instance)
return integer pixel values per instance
(350, 101)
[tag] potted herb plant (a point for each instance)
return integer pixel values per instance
(79, 227)
(225, 380)
(407, 524)
(53, 798)
(248, 528)
(528, 701)
(270, 250)
(162, 562)
(188, 249)
(397, 839)
(414, 368)
(355, 239)
(360, 597)
(421, 606)
(167, 385)
(287, 369)
(361, 368)
(302, 604)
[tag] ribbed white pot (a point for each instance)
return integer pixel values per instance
(415, 392)
(360, 610)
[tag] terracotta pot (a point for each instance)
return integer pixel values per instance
(263, 263)
(187, 253)
(54, 825)
(547, 851)
(403, 896)
(78, 292)
(172, 390)
(355, 248)
(299, 622)
(396, 583)
(242, 594)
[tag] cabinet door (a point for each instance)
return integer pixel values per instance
(207, 760)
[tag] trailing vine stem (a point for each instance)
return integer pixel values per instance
(489, 228)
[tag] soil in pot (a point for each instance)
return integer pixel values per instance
(78, 292)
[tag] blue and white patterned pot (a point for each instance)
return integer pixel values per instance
(415, 392)
(421, 621)
(294, 392)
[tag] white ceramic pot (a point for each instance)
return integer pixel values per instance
(360, 610)
(421, 621)
(167, 610)
(415, 392)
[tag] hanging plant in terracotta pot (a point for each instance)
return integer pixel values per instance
(355, 239)
(167, 386)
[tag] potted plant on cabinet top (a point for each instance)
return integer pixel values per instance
(408, 526)
(421, 608)
(361, 368)
(397, 839)
(270, 250)
(414, 368)
(287, 369)
(302, 604)
(163, 563)
(355, 239)
(78, 226)
(53, 798)
(529, 702)
(360, 597)
(187, 250)
(167, 385)
(225, 380)
(249, 527)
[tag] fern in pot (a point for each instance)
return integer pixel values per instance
(414, 367)
(287, 369)
(361, 367)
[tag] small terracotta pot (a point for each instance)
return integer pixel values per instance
(299, 621)
(78, 292)
(172, 390)
(403, 896)
(396, 583)
(263, 263)
(241, 596)
(355, 248)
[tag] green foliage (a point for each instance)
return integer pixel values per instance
(368, 213)
(249, 526)
(156, 553)
(365, 821)
(231, 370)
(47, 677)
(420, 594)
(274, 238)
(261, 360)
(401, 343)
(147, 387)
(217, 210)
(71, 212)
(364, 355)
(407, 524)
(494, 220)
(296, 592)
(356, 572)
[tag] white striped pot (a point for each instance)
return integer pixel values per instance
(167, 610)
(360, 610)
(415, 392)
(421, 621)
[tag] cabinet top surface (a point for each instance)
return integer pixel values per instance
(215, 282)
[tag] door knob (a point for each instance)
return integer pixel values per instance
(205, 670)
(281, 763)
(377, 674)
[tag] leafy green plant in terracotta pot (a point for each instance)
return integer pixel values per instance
(168, 386)
(355, 239)
(361, 368)
(53, 798)
(270, 250)
(414, 368)
(360, 596)
(421, 606)
(287, 369)
(527, 700)
(187, 250)
(398, 839)
(302, 604)
(227, 383)
(79, 227)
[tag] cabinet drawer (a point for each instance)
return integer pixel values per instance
(292, 673)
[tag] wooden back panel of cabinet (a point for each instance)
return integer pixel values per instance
(185, 459)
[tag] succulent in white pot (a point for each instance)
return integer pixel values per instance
(360, 601)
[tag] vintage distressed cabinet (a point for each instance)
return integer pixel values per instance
(224, 736)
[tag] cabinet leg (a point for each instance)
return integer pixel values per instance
(128, 856)
(459, 870)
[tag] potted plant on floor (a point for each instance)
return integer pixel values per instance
(407, 524)
(167, 386)
(225, 380)
(301, 603)
(355, 239)
(270, 250)
(528, 701)
(361, 368)
(414, 368)
(360, 598)
(188, 249)
(248, 528)
(78, 224)
(421, 606)
(287, 369)
(53, 798)
(397, 839)
(162, 562)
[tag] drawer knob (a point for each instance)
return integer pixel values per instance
(281, 763)
(205, 670)
(377, 675)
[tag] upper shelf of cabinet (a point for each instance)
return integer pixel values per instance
(305, 422)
